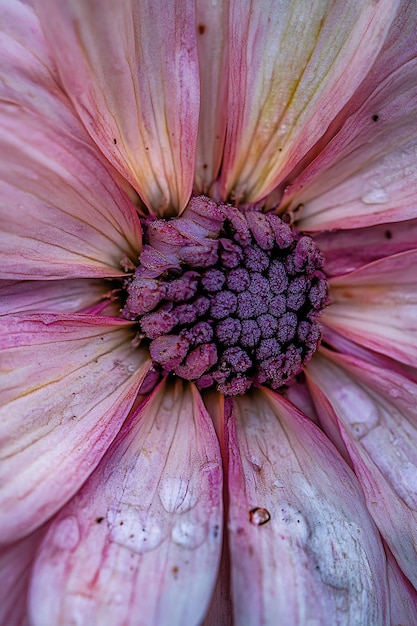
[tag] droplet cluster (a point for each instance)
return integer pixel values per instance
(226, 298)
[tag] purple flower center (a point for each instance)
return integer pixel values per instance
(226, 298)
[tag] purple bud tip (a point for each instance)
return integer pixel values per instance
(228, 298)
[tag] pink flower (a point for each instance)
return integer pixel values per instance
(133, 491)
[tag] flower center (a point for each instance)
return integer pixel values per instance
(227, 298)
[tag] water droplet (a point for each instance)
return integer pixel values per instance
(375, 196)
(360, 429)
(259, 516)
(131, 368)
(189, 534)
(66, 534)
(135, 529)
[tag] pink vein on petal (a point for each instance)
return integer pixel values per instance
(293, 66)
(149, 518)
(69, 383)
(375, 306)
(366, 174)
(131, 71)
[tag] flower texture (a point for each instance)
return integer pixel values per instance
(208, 313)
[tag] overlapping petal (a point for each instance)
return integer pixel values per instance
(67, 384)
(376, 306)
(303, 546)
(140, 544)
(62, 214)
(293, 66)
(347, 250)
(403, 596)
(366, 174)
(131, 71)
(373, 412)
(28, 75)
(53, 296)
(15, 570)
(212, 46)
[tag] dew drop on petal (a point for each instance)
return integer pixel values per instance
(140, 531)
(259, 516)
(189, 534)
(375, 196)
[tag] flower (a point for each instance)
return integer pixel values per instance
(130, 496)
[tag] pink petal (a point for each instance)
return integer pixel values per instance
(318, 554)
(299, 395)
(28, 75)
(293, 66)
(340, 343)
(15, 568)
(46, 296)
(374, 412)
(366, 175)
(140, 543)
(403, 596)
(69, 218)
(212, 47)
(347, 250)
(375, 306)
(131, 71)
(67, 385)
(29, 79)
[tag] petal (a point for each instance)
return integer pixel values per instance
(318, 554)
(212, 48)
(299, 395)
(340, 343)
(69, 218)
(67, 385)
(131, 71)
(44, 157)
(140, 544)
(28, 74)
(374, 412)
(293, 66)
(347, 250)
(46, 296)
(403, 596)
(375, 306)
(367, 175)
(15, 568)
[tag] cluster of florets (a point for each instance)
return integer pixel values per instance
(227, 298)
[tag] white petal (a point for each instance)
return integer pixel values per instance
(373, 411)
(303, 547)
